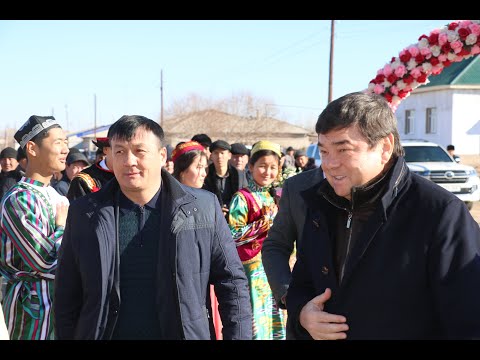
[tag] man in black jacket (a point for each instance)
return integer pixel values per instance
(223, 179)
(139, 255)
(285, 235)
(11, 171)
(92, 178)
(385, 253)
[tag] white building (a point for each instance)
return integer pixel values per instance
(445, 110)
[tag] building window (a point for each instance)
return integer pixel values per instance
(409, 121)
(431, 121)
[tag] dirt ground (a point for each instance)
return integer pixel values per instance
(476, 211)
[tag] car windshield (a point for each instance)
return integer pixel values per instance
(426, 154)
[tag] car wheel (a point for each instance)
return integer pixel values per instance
(469, 204)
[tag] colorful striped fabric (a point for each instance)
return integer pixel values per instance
(28, 258)
(269, 321)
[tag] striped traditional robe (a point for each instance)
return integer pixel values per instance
(269, 321)
(28, 258)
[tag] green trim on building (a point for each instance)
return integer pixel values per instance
(466, 72)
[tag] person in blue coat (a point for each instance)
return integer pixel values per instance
(139, 255)
(386, 253)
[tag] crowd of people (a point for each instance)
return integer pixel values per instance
(195, 241)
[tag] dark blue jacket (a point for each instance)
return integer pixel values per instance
(413, 273)
(196, 248)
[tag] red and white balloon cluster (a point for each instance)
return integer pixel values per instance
(454, 42)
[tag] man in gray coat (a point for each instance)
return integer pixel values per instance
(139, 255)
(286, 230)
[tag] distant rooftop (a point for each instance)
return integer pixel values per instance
(466, 72)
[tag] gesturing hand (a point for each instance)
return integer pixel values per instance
(320, 324)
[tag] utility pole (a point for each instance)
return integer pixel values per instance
(161, 98)
(330, 72)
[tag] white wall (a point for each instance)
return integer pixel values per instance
(457, 111)
(466, 113)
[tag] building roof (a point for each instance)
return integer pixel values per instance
(466, 72)
(218, 125)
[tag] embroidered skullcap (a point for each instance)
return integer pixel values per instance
(34, 126)
(266, 145)
(185, 147)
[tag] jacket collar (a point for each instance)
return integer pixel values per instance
(389, 184)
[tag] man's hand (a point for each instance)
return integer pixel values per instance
(322, 325)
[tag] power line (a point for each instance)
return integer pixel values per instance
(295, 106)
(292, 45)
(284, 53)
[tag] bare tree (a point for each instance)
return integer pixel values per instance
(242, 104)
(191, 103)
(7, 139)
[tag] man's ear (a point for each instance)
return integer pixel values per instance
(387, 148)
(31, 148)
(163, 156)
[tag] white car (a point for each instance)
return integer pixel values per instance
(433, 162)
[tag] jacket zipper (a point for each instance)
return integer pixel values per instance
(349, 223)
(350, 216)
(349, 240)
(348, 226)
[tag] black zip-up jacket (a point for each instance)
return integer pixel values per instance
(195, 249)
(413, 272)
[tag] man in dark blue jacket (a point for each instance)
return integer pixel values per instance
(385, 254)
(138, 256)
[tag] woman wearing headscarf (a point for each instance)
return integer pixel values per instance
(190, 168)
(251, 215)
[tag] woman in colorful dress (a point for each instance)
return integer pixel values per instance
(190, 168)
(251, 215)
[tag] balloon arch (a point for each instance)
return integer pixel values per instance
(454, 42)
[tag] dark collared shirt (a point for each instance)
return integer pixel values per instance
(139, 237)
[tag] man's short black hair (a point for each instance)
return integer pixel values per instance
(125, 127)
(450, 147)
(203, 139)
